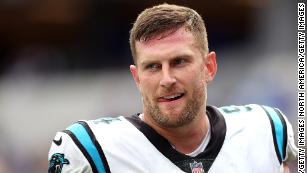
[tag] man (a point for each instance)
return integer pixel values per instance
(176, 132)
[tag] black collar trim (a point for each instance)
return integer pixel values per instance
(207, 157)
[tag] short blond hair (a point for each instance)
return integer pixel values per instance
(166, 18)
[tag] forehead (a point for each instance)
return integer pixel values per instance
(178, 42)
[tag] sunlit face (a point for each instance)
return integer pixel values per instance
(172, 76)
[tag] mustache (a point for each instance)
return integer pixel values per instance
(170, 91)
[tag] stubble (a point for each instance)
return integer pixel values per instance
(186, 116)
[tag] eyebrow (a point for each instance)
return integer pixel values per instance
(146, 62)
(185, 56)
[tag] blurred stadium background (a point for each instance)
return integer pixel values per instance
(65, 60)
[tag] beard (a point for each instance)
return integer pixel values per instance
(186, 116)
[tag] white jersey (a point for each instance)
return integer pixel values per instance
(244, 139)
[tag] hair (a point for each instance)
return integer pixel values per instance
(164, 19)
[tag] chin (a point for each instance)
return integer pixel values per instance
(172, 113)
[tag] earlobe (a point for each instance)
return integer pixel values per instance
(211, 66)
(134, 74)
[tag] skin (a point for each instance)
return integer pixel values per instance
(286, 168)
(174, 65)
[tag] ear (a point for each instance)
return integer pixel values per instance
(134, 73)
(211, 66)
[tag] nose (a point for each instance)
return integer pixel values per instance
(168, 78)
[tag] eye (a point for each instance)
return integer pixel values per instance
(153, 66)
(179, 61)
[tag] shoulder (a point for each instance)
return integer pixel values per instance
(95, 144)
(255, 114)
(78, 148)
(243, 110)
(65, 155)
(264, 123)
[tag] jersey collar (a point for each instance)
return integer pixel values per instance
(207, 157)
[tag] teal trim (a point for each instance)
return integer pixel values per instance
(235, 109)
(84, 138)
(279, 129)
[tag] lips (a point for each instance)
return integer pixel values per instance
(171, 97)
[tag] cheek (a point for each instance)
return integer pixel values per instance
(147, 85)
(202, 77)
(195, 78)
(196, 83)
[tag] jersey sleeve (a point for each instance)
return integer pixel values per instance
(291, 149)
(77, 150)
(282, 133)
(65, 156)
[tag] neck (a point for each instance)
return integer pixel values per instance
(187, 138)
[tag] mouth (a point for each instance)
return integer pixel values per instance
(172, 97)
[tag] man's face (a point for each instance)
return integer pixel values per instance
(172, 76)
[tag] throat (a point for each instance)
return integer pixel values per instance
(192, 144)
(190, 139)
(203, 144)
